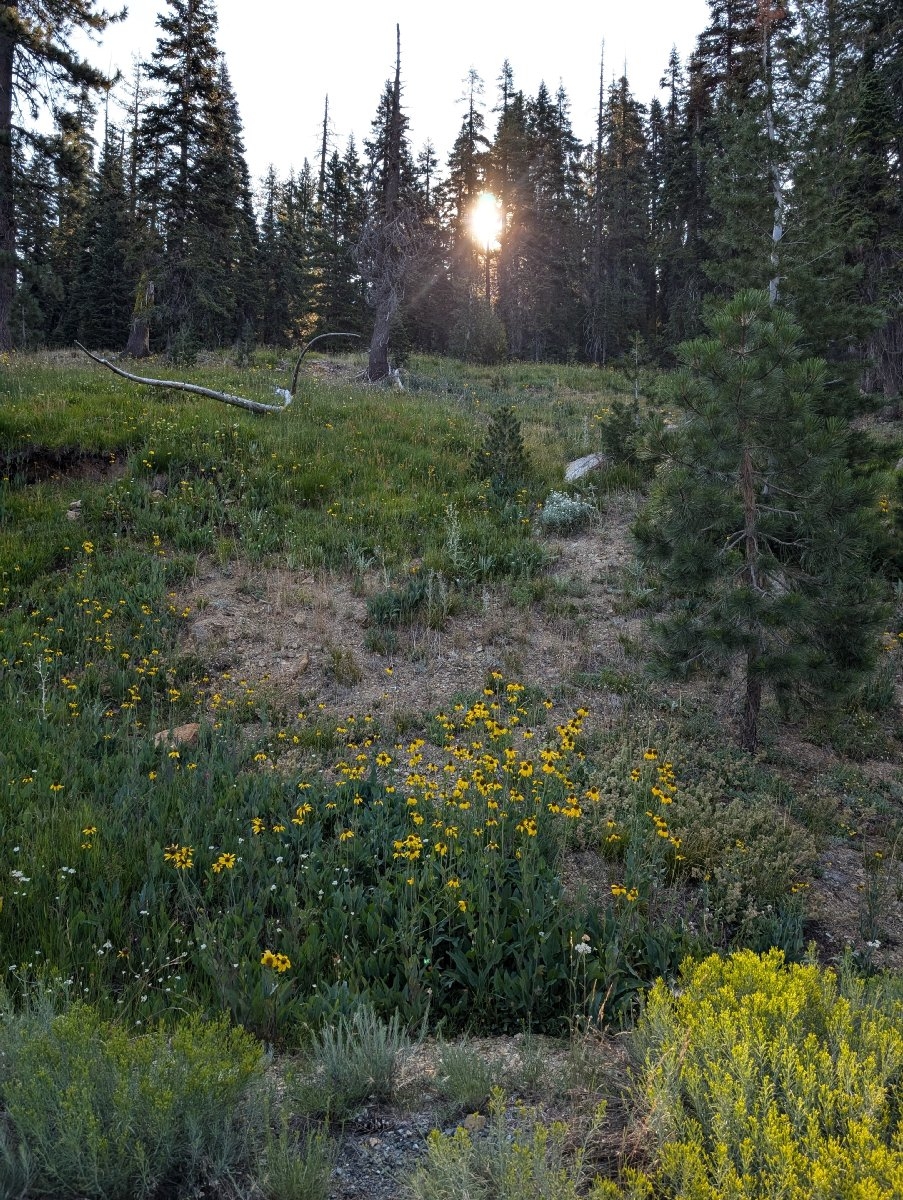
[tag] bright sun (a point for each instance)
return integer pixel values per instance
(486, 221)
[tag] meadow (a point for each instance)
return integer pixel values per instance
(520, 891)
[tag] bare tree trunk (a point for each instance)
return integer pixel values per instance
(139, 337)
(7, 210)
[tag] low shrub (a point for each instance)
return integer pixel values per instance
(93, 1111)
(465, 1076)
(356, 1059)
(562, 513)
(517, 1157)
(761, 1080)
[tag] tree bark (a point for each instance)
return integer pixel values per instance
(7, 210)
(139, 336)
(749, 729)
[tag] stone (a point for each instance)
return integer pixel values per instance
(181, 735)
(582, 466)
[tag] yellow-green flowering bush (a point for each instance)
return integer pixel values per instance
(765, 1080)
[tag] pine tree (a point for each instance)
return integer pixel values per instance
(338, 301)
(223, 232)
(508, 180)
(38, 292)
(388, 243)
(104, 286)
(470, 283)
(756, 532)
(36, 55)
(195, 184)
(625, 283)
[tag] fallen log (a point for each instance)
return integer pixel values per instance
(177, 385)
(193, 388)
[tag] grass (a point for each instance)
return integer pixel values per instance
(327, 880)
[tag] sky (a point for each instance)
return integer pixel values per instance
(285, 56)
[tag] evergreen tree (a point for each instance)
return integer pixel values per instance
(223, 230)
(104, 285)
(677, 206)
(509, 180)
(39, 291)
(756, 532)
(389, 241)
(469, 265)
(195, 184)
(36, 59)
(624, 286)
(338, 301)
(73, 149)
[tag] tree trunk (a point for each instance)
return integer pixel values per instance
(139, 337)
(378, 361)
(749, 727)
(7, 210)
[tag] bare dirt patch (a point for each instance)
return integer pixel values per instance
(37, 464)
(303, 634)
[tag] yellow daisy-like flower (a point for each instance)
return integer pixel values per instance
(277, 962)
(346, 835)
(181, 857)
(383, 759)
(225, 862)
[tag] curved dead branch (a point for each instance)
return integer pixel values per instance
(318, 338)
(176, 385)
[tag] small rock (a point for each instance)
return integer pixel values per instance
(156, 494)
(474, 1122)
(582, 466)
(182, 735)
(74, 511)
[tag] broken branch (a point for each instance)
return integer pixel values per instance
(176, 385)
(318, 338)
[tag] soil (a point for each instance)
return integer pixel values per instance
(35, 464)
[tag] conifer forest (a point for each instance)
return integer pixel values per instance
(771, 158)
